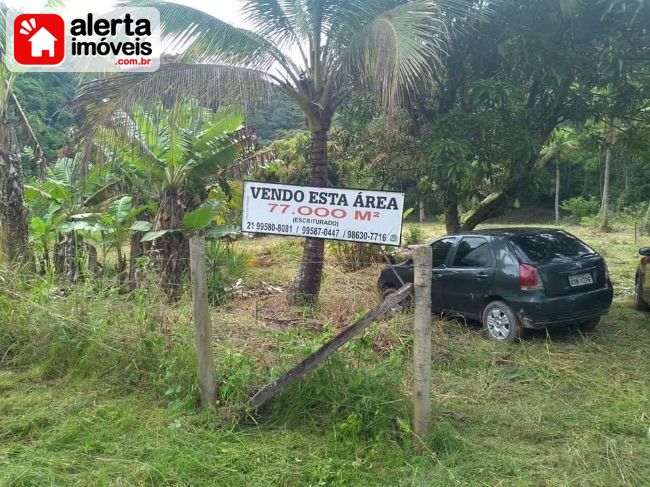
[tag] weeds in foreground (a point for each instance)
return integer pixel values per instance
(99, 388)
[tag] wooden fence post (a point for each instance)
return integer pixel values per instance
(203, 330)
(422, 262)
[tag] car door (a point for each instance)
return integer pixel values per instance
(469, 276)
(441, 250)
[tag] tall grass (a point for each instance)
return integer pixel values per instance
(100, 389)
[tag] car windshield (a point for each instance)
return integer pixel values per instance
(547, 246)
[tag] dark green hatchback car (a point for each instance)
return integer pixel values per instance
(514, 278)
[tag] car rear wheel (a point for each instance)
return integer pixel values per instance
(501, 323)
(639, 303)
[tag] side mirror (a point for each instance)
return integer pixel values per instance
(645, 251)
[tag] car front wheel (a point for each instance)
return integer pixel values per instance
(400, 307)
(639, 303)
(501, 323)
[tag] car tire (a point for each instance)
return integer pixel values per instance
(589, 326)
(501, 323)
(401, 307)
(639, 303)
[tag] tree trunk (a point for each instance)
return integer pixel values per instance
(421, 208)
(491, 207)
(170, 252)
(645, 226)
(306, 285)
(93, 263)
(604, 208)
(452, 218)
(13, 213)
(557, 192)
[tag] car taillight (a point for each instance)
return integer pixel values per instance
(529, 279)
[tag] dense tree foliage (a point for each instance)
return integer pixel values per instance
(276, 118)
(45, 97)
(489, 106)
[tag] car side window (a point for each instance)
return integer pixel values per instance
(472, 252)
(440, 250)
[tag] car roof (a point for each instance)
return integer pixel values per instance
(505, 232)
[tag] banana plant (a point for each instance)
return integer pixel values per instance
(110, 229)
(179, 154)
(59, 200)
(41, 238)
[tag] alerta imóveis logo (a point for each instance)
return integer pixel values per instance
(39, 39)
(118, 40)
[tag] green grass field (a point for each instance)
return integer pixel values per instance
(99, 389)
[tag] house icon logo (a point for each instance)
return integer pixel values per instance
(39, 39)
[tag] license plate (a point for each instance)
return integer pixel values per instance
(580, 280)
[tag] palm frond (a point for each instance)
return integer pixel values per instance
(275, 20)
(247, 164)
(173, 84)
(391, 53)
(204, 39)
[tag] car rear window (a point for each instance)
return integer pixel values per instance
(440, 250)
(546, 246)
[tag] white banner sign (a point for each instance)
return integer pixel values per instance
(356, 215)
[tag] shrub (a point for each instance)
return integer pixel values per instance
(578, 208)
(224, 266)
(353, 256)
(413, 236)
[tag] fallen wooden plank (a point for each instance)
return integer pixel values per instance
(272, 389)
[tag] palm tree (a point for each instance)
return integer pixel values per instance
(14, 128)
(563, 142)
(13, 214)
(315, 51)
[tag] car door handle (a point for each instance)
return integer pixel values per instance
(481, 275)
(435, 276)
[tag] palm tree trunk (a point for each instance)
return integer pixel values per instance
(557, 192)
(604, 208)
(93, 262)
(306, 285)
(170, 252)
(13, 213)
(66, 256)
